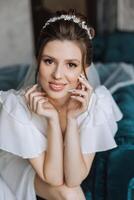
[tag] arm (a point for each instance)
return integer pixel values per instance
(76, 164)
(49, 165)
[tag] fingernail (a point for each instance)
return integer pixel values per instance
(81, 75)
(71, 90)
(35, 85)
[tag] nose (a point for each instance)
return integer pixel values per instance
(57, 73)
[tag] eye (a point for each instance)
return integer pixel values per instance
(72, 65)
(48, 61)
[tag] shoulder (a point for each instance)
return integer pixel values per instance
(101, 93)
(18, 124)
(102, 109)
(103, 101)
(14, 104)
(98, 125)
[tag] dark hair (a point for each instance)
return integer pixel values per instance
(67, 30)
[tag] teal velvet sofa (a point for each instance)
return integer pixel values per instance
(112, 175)
(12, 77)
(115, 47)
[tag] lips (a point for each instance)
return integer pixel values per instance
(56, 86)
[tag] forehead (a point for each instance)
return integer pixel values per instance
(63, 49)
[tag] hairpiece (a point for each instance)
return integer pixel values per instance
(76, 20)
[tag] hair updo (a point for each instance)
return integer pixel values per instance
(62, 29)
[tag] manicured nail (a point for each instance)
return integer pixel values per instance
(71, 90)
(36, 85)
(81, 75)
(82, 78)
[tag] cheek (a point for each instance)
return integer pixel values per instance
(42, 74)
(73, 78)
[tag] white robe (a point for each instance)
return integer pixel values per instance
(23, 135)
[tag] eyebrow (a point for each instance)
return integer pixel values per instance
(72, 59)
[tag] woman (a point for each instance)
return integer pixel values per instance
(51, 133)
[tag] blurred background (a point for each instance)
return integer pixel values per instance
(112, 174)
(21, 22)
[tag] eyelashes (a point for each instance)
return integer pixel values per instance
(71, 65)
(50, 62)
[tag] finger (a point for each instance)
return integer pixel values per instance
(29, 87)
(33, 96)
(29, 90)
(83, 87)
(79, 92)
(82, 101)
(40, 103)
(37, 100)
(34, 88)
(85, 83)
(78, 98)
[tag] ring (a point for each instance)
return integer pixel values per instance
(81, 95)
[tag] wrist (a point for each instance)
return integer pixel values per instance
(54, 119)
(73, 114)
(54, 126)
(71, 119)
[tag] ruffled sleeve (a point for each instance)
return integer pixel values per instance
(98, 125)
(18, 134)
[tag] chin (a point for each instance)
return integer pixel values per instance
(57, 95)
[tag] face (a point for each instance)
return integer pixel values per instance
(60, 66)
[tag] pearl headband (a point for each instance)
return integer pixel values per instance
(76, 20)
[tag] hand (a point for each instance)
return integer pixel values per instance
(79, 98)
(38, 102)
